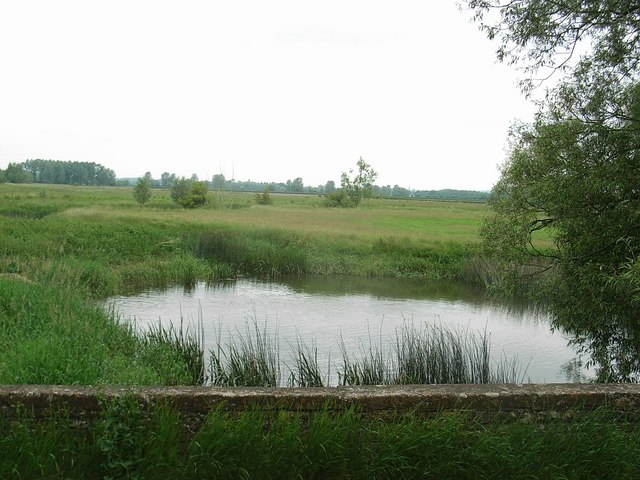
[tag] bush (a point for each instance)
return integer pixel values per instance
(189, 193)
(264, 198)
(341, 198)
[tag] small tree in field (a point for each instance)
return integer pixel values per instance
(142, 191)
(264, 198)
(353, 190)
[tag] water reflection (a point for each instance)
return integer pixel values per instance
(354, 310)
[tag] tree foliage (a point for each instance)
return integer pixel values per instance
(353, 189)
(542, 36)
(575, 172)
(70, 173)
(142, 190)
(189, 193)
(16, 173)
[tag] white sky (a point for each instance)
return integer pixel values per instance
(260, 90)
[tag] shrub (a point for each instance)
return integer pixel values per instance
(189, 193)
(264, 198)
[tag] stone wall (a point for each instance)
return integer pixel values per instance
(85, 403)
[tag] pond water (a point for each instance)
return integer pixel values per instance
(358, 312)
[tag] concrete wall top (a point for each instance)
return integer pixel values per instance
(87, 402)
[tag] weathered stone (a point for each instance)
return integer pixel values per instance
(85, 403)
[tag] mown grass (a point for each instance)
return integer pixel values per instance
(127, 442)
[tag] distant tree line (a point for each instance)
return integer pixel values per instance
(58, 171)
(220, 183)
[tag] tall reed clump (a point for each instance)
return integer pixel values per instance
(431, 354)
(305, 370)
(434, 354)
(252, 360)
(371, 368)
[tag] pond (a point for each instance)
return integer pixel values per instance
(356, 313)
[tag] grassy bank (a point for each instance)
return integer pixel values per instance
(64, 247)
(124, 443)
(104, 226)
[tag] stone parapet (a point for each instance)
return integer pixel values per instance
(86, 403)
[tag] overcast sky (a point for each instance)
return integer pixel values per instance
(259, 90)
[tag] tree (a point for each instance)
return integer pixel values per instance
(330, 186)
(575, 172)
(295, 186)
(189, 193)
(3, 178)
(167, 179)
(180, 189)
(142, 191)
(217, 182)
(197, 195)
(15, 173)
(353, 190)
(540, 36)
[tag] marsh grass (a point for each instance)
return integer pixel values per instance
(305, 370)
(267, 253)
(187, 345)
(54, 336)
(431, 354)
(249, 360)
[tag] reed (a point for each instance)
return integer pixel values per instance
(252, 360)
(306, 371)
(178, 346)
(431, 354)
(370, 368)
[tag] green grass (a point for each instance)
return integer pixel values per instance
(125, 442)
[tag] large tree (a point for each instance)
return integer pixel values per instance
(575, 172)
